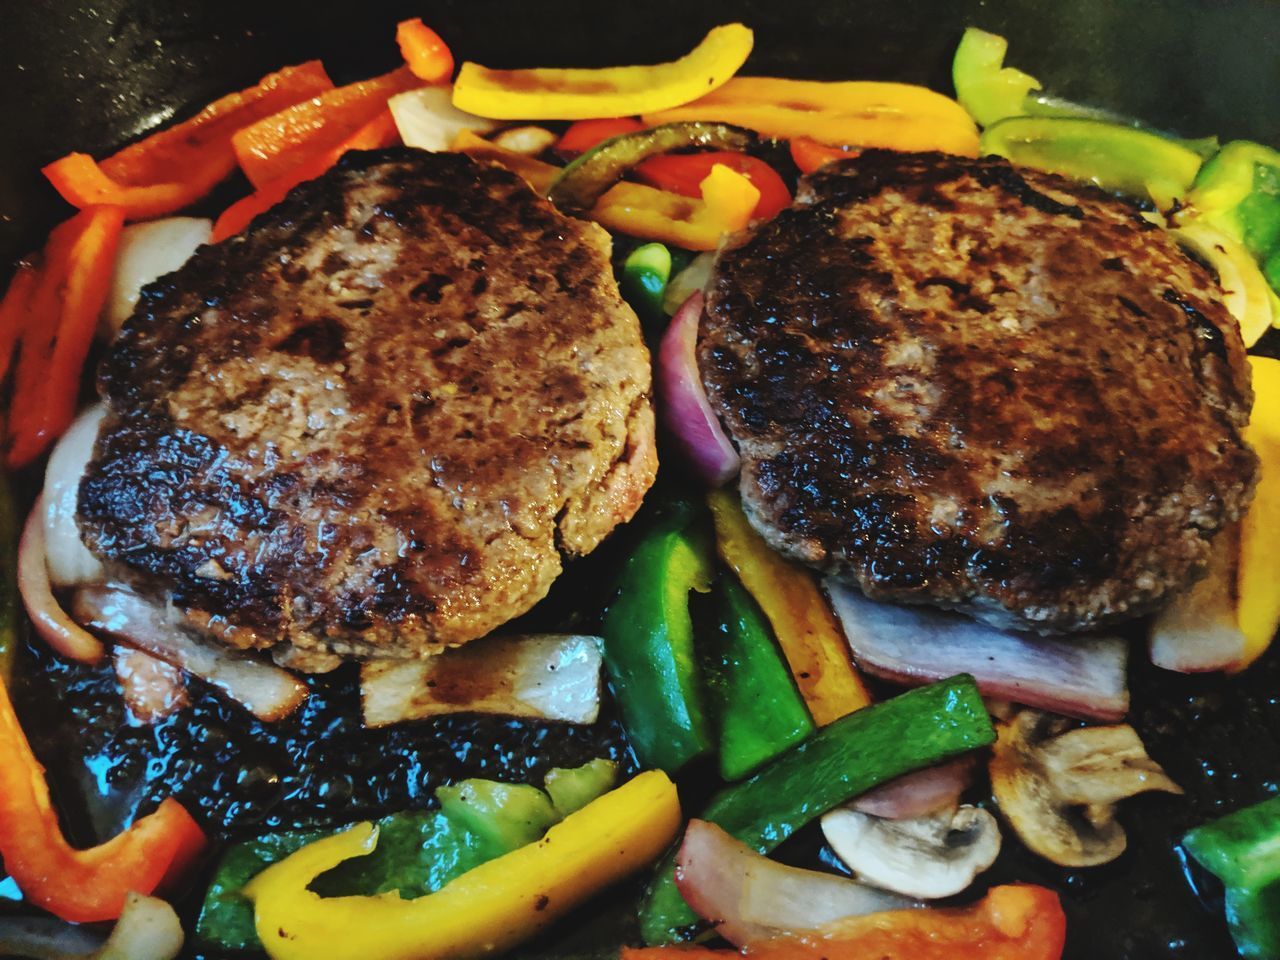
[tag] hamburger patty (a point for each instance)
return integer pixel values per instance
(372, 424)
(987, 389)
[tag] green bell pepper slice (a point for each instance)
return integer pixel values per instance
(644, 278)
(760, 710)
(985, 87)
(1243, 851)
(840, 761)
(1238, 191)
(648, 641)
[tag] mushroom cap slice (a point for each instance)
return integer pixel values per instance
(1058, 788)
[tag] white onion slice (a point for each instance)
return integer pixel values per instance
(920, 793)
(148, 929)
(53, 624)
(428, 120)
(528, 140)
(1081, 677)
(1199, 631)
(152, 688)
(683, 403)
(265, 690)
(751, 898)
(147, 252)
(550, 677)
(68, 559)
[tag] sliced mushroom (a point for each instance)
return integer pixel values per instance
(925, 857)
(1058, 788)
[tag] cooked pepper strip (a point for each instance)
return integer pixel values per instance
(585, 134)
(728, 200)
(73, 285)
(424, 52)
(917, 729)
(810, 155)
(10, 608)
(585, 181)
(648, 642)
(15, 312)
(1013, 922)
(985, 87)
(576, 94)
(1113, 156)
(1258, 600)
(487, 909)
(277, 145)
(683, 173)
(536, 173)
(896, 116)
(179, 165)
(82, 886)
(760, 712)
(811, 640)
(1243, 851)
(644, 278)
(1238, 191)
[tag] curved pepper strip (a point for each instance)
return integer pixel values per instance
(586, 134)
(83, 886)
(728, 201)
(424, 52)
(896, 116)
(487, 909)
(179, 165)
(581, 94)
(1258, 600)
(683, 173)
(538, 174)
(809, 155)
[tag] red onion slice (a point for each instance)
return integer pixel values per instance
(265, 690)
(57, 629)
(919, 794)
(152, 688)
(683, 403)
(1081, 677)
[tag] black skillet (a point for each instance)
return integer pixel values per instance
(90, 78)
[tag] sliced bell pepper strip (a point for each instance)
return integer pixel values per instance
(15, 312)
(643, 282)
(809, 155)
(75, 278)
(684, 173)
(424, 52)
(760, 712)
(10, 601)
(811, 640)
(896, 116)
(179, 165)
(921, 728)
(1243, 851)
(487, 909)
(985, 87)
(728, 200)
(1238, 191)
(577, 94)
(1257, 598)
(648, 642)
(536, 173)
(378, 132)
(82, 886)
(1113, 156)
(276, 145)
(585, 134)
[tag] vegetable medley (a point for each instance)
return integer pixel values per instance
(724, 659)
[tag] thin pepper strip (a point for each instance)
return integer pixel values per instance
(811, 640)
(536, 173)
(179, 165)
(728, 201)
(683, 173)
(586, 134)
(15, 312)
(74, 278)
(810, 155)
(10, 615)
(424, 52)
(1258, 600)
(82, 886)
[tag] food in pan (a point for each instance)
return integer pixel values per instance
(971, 415)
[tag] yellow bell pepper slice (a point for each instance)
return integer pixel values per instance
(578, 94)
(807, 632)
(484, 911)
(896, 116)
(1258, 583)
(728, 199)
(537, 174)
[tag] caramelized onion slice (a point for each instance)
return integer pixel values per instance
(265, 690)
(57, 629)
(67, 558)
(152, 688)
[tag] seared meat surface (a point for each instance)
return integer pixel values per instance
(987, 389)
(372, 424)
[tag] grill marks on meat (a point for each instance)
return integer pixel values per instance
(984, 388)
(372, 424)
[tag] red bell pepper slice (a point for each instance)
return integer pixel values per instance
(82, 886)
(15, 312)
(276, 145)
(810, 155)
(1014, 922)
(379, 132)
(585, 134)
(425, 53)
(179, 165)
(62, 311)
(683, 173)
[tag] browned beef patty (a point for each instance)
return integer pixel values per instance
(988, 389)
(372, 424)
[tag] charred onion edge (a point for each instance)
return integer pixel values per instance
(54, 625)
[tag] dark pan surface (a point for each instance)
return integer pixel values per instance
(93, 76)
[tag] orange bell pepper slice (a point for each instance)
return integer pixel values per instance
(810, 155)
(276, 145)
(177, 166)
(585, 134)
(683, 173)
(1013, 922)
(378, 132)
(807, 632)
(82, 886)
(15, 312)
(424, 52)
(64, 304)
(536, 173)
